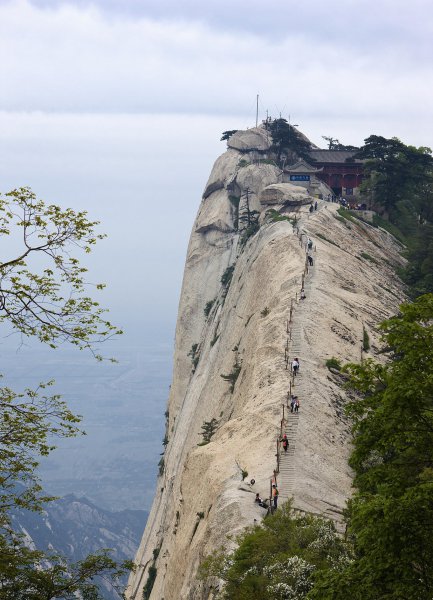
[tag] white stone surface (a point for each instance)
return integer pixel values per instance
(280, 193)
(256, 138)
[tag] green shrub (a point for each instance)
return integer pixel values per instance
(322, 237)
(275, 216)
(251, 230)
(226, 277)
(147, 590)
(161, 466)
(208, 307)
(233, 376)
(265, 312)
(214, 341)
(333, 363)
(195, 356)
(346, 214)
(267, 161)
(243, 163)
(365, 340)
(208, 429)
(368, 257)
(151, 576)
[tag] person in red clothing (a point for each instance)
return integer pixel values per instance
(285, 442)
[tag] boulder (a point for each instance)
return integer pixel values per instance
(284, 193)
(256, 138)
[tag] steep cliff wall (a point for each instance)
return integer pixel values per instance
(200, 498)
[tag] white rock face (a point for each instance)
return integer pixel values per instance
(224, 170)
(256, 138)
(200, 498)
(281, 193)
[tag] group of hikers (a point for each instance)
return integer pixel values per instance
(294, 400)
(274, 501)
(294, 406)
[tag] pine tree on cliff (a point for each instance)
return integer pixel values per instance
(286, 137)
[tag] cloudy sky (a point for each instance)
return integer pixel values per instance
(117, 106)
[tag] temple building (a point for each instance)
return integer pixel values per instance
(337, 168)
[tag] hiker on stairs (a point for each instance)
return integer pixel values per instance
(275, 494)
(285, 442)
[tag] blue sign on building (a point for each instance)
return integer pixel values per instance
(299, 178)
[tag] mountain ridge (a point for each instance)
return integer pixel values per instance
(230, 366)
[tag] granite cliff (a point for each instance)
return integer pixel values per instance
(243, 274)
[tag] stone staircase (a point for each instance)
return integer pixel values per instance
(300, 385)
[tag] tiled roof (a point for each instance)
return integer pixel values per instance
(332, 156)
(302, 167)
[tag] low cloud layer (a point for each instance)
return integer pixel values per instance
(310, 60)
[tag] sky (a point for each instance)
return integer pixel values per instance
(117, 106)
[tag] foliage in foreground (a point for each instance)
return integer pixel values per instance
(43, 294)
(27, 574)
(390, 517)
(278, 559)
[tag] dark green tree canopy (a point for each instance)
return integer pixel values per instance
(397, 173)
(399, 185)
(287, 137)
(335, 144)
(228, 134)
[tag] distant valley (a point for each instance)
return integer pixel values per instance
(75, 527)
(123, 405)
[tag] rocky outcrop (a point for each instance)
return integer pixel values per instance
(284, 193)
(256, 138)
(230, 373)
